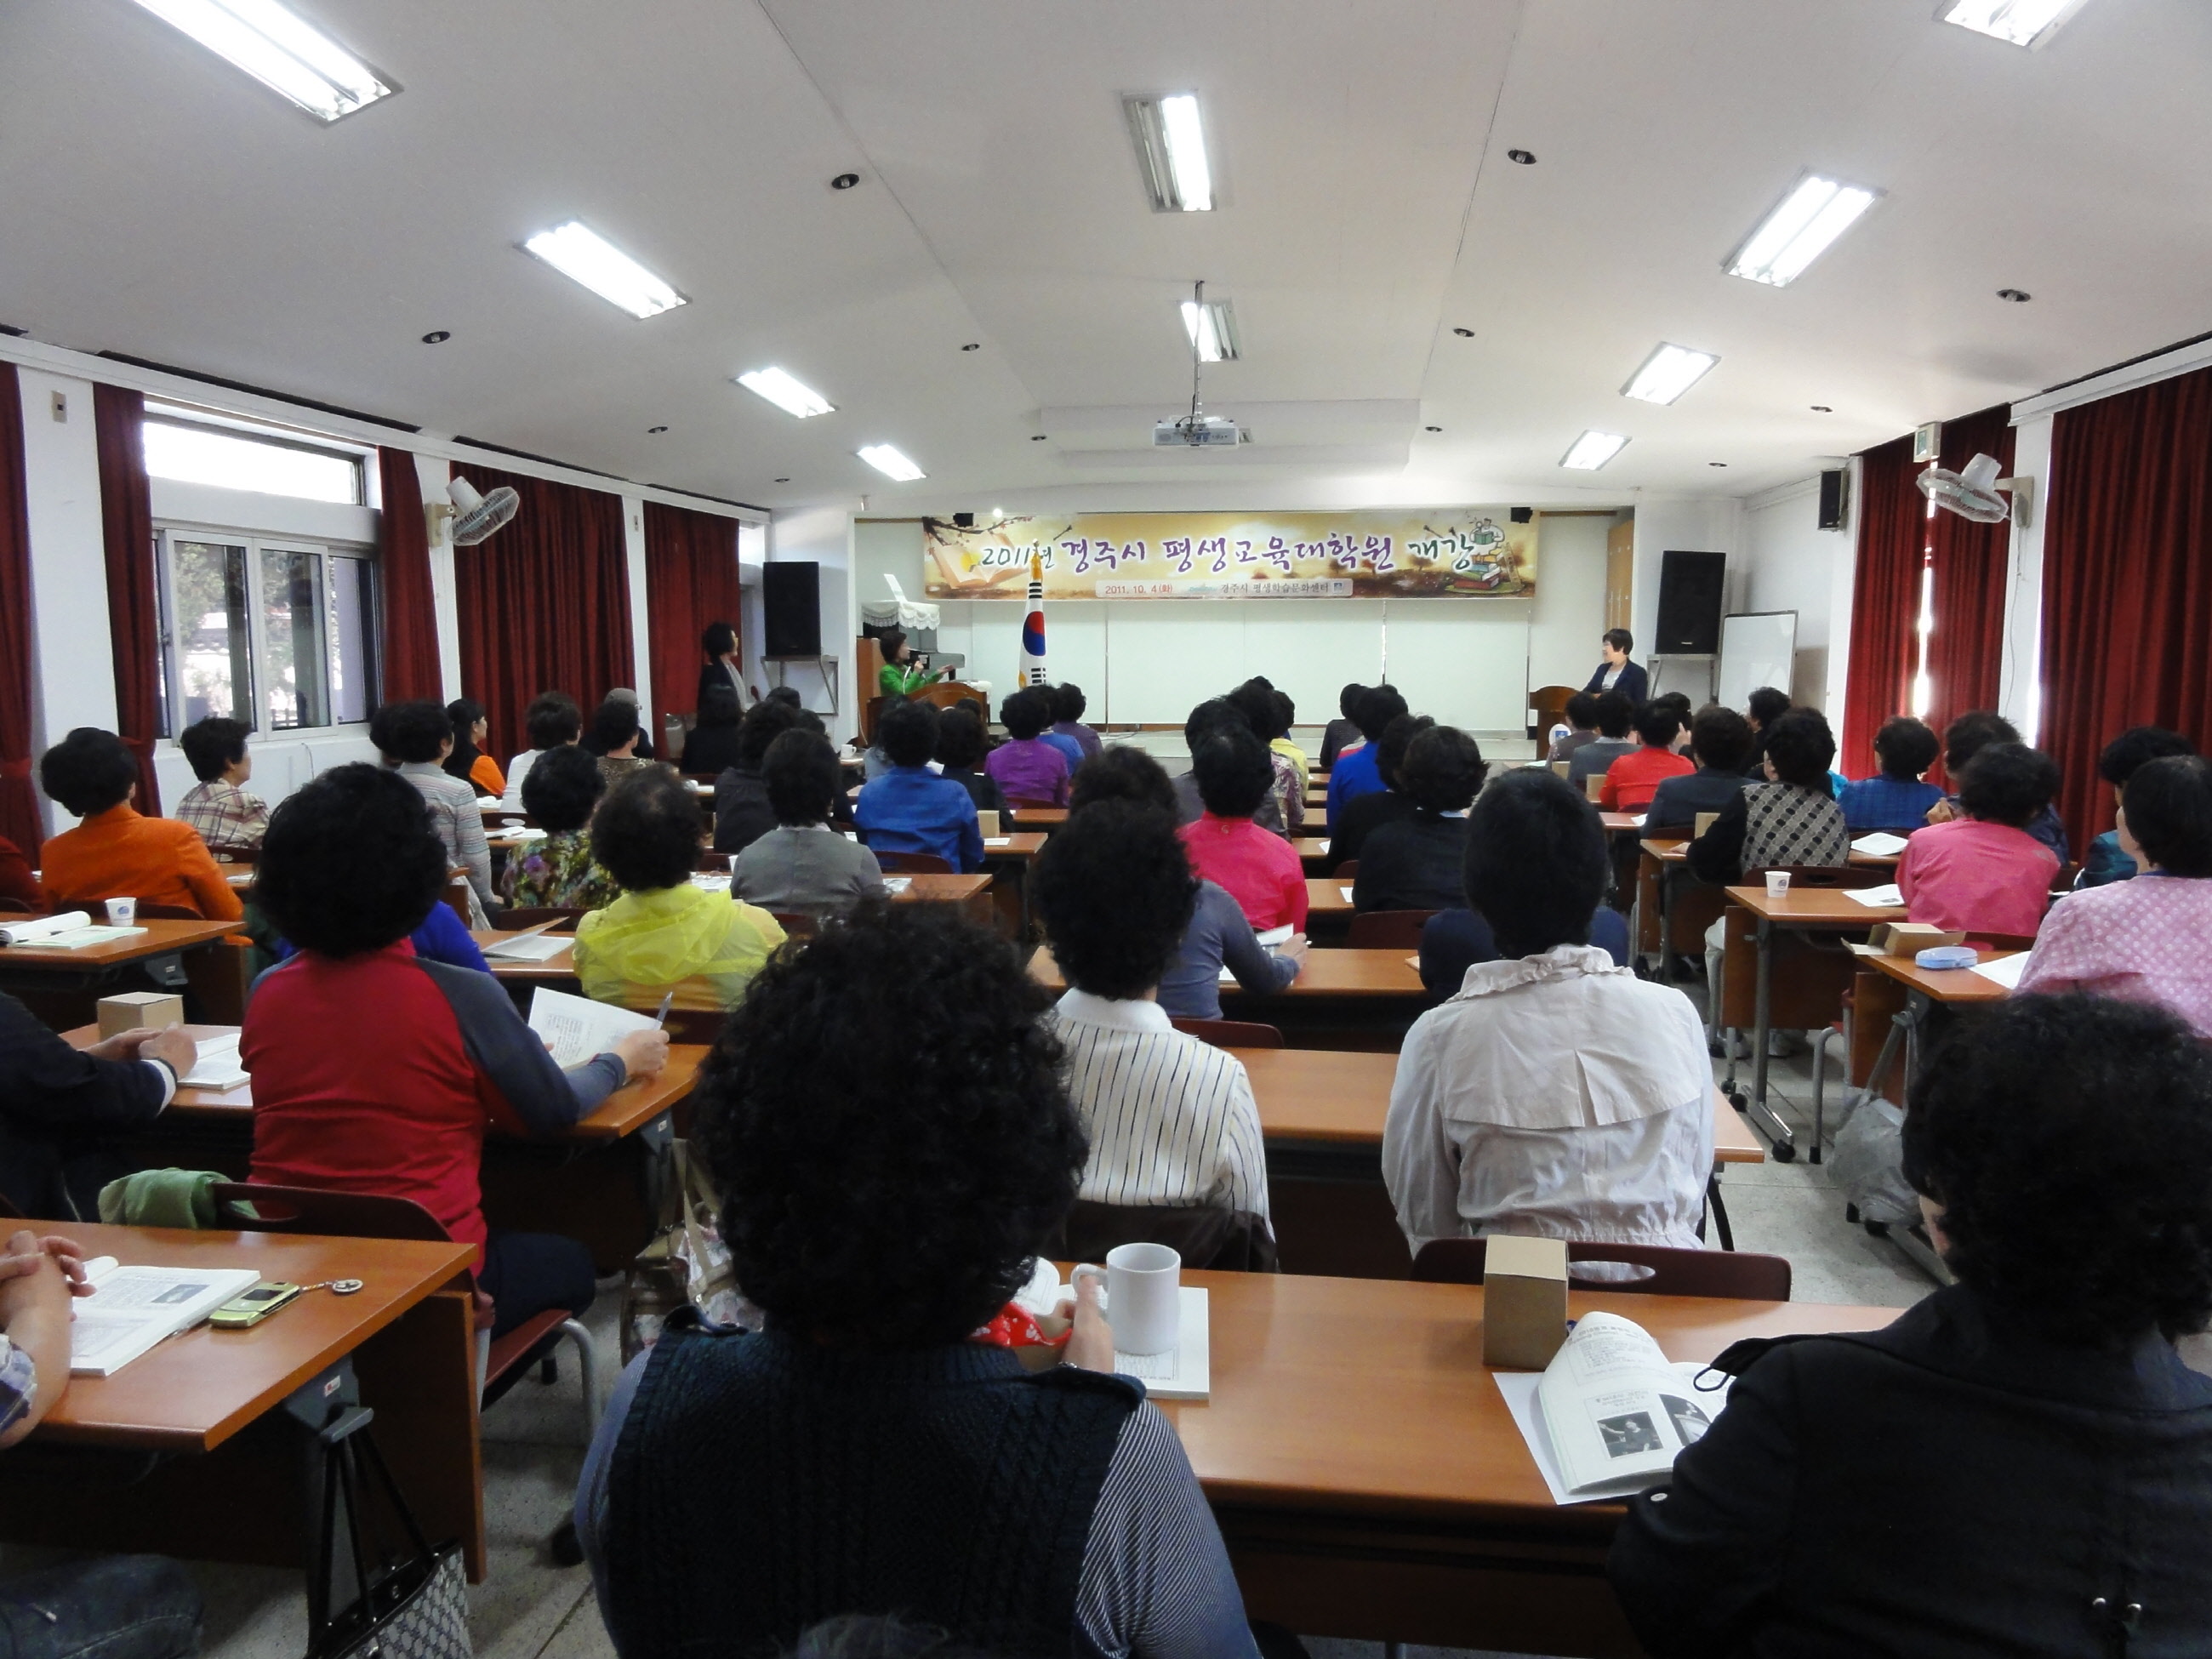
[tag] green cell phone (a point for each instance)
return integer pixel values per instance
(250, 1307)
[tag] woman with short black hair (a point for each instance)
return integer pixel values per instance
(2021, 1463)
(1258, 868)
(556, 871)
(1414, 864)
(885, 1118)
(711, 745)
(2137, 746)
(962, 743)
(1365, 814)
(1617, 672)
(720, 671)
(803, 866)
(468, 762)
(742, 812)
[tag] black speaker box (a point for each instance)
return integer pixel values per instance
(1835, 499)
(791, 603)
(1693, 590)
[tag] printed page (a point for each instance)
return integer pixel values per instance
(574, 1029)
(1876, 898)
(1879, 845)
(217, 1065)
(2005, 970)
(527, 947)
(132, 1308)
(1616, 1410)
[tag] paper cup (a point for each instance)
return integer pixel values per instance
(122, 912)
(1144, 1304)
(1777, 883)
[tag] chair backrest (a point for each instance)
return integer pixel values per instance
(715, 861)
(236, 854)
(1347, 871)
(1825, 875)
(798, 924)
(1740, 1275)
(15, 907)
(1218, 1240)
(524, 916)
(1389, 930)
(170, 912)
(457, 895)
(1231, 1033)
(912, 864)
(694, 1025)
(1034, 803)
(255, 1208)
(2001, 941)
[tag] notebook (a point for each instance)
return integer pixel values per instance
(1880, 844)
(217, 1065)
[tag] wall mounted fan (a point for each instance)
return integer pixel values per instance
(472, 515)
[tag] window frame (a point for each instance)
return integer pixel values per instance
(163, 413)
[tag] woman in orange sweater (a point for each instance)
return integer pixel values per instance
(114, 853)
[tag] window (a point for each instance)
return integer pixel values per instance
(271, 631)
(193, 449)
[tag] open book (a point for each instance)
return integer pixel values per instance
(66, 932)
(1610, 1413)
(575, 1029)
(132, 1308)
(217, 1065)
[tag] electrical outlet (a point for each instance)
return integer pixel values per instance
(61, 406)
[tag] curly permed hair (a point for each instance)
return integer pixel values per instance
(1114, 889)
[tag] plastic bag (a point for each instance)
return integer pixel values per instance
(1867, 1163)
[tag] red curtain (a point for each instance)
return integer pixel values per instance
(2127, 581)
(690, 580)
(126, 512)
(1885, 601)
(19, 800)
(409, 667)
(545, 604)
(1965, 642)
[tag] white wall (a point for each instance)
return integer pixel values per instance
(2019, 683)
(1569, 612)
(1789, 564)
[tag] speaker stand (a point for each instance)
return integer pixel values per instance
(827, 666)
(1711, 671)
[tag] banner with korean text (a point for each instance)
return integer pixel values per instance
(1446, 553)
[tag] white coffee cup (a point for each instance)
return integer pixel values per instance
(1144, 1304)
(121, 913)
(1777, 883)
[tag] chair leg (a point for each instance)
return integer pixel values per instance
(1819, 1080)
(1719, 1210)
(587, 1362)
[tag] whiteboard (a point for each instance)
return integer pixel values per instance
(1758, 647)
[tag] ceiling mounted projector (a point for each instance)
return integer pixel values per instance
(1198, 432)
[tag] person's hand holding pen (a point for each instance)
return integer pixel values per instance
(644, 1053)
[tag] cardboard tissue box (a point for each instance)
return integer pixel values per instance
(1906, 939)
(1524, 1301)
(128, 1010)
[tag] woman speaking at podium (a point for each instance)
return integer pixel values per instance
(1616, 672)
(902, 677)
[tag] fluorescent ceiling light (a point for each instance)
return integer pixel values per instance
(1212, 329)
(793, 397)
(1814, 214)
(2023, 22)
(1592, 451)
(1171, 147)
(1667, 373)
(887, 460)
(277, 49)
(583, 255)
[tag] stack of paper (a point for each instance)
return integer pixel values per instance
(217, 1065)
(1879, 845)
(1878, 898)
(2005, 970)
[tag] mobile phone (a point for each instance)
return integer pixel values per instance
(250, 1307)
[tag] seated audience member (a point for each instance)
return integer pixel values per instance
(1255, 701)
(617, 739)
(1068, 705)
(1766, 706)
(886, 1119)
(711, 745)
(664, 934)
(397, 1104)
(1218, 935)
(416, 738)
(1633, 779)
(61, 1108)
(1355, 773)
(557, 873)
(1417, 863)
(551, 722)
(1966, 738)
(1170, 1118)
(1348, 834)
(441, 936)
(802, 865)
(114, 853)
(1895, 799)
(1982, 872)
(1028, 770)
(1454, 940)
(962, 743)
(114, 1607)
(17, 883)
(1286, 745)
(1581, 720)
(742, 812)
(1070, 748)
(2062, 1149)
(645, 751)
(1616, 719)
(1259, 870)
(2142, 941)
(910, 809)
(1343, 732)
(2106, 860)
(218, 808)
(1555, 1094)
(1679, 702)
(1719, 738)
(468, 762)
(1208, 717)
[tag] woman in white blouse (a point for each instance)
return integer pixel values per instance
(1556, 1094)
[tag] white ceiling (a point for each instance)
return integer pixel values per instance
(155, 202)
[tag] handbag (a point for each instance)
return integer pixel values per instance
(685, 1264)
(414, 1606)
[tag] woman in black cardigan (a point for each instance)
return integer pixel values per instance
(2021, 1463)
(1616, 672)
(719, 644)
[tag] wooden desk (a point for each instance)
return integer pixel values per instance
(1019, 847)
(1313, 853)
(1916, 1005)
(1341, 998)
(60, 986)
(1327, 897)
(971, 895)
(1369, 1482)
(1035, 817)
(1339, 973)
(81, 1479)
(1950, 986)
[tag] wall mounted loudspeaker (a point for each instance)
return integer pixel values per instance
(1836, 499)
(1692, 587)
(791, 606)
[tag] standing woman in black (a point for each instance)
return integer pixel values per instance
(719, 644)
(1616, 672)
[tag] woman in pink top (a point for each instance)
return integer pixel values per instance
(1982, 873)
(2143, 940)
(1257, 867)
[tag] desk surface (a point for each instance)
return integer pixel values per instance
(1327, 973)
(630, 1108)
(1036, 815)
(1814, 906)
(1672, 849)
(1342, 1098)
(159, 938)
(1328, 896)
(1946, 985)
(1371, 1394)
(1310, 849)
(1020, 844)
(195, 1391)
